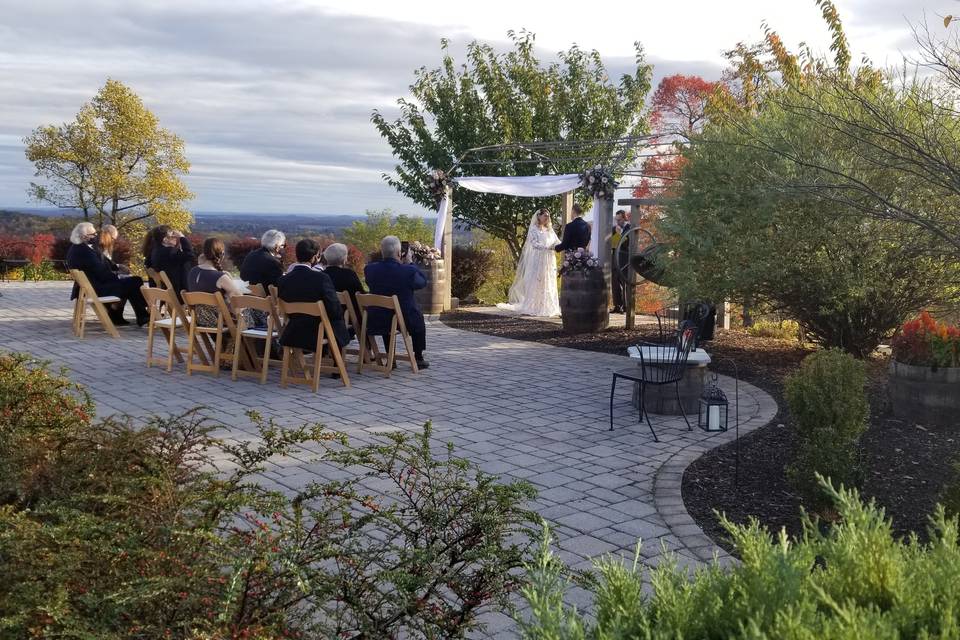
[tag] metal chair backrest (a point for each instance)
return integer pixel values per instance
(666, 362)
(669, 319)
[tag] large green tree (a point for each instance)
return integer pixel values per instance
(366, 235)
(495, 98)
(753, 223)
(113, 162)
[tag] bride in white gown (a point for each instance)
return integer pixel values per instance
(534, 289)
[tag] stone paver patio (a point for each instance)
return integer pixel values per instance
(517, 409)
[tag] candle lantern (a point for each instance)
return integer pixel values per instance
(713, 408)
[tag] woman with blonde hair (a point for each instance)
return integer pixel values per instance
(85, 256)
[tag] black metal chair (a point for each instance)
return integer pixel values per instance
(661, 363)
(669, 320)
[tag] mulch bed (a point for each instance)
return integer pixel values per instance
(906, 465)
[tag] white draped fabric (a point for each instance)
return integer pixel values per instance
(594, 237)
(441, 224)
(525, 186)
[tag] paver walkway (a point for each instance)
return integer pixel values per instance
(517, 409)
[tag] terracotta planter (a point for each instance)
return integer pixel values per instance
(924, 394)
(431, 296)
(584, 301)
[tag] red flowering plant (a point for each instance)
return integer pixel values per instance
(926, 342)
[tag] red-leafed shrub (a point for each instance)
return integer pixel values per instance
(355, 258)
(59, 248)
(240, 248)
(925, 342)
(14, 247)
(40, 245)
(196, 242)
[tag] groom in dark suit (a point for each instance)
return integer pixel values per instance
(576, 233)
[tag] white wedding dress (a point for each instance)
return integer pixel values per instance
(534, 289)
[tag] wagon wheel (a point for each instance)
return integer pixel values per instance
(642, 263)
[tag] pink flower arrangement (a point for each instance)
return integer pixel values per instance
(578, 260)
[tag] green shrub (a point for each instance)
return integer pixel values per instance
(852, 581)
(111, 530)
(471, 267)
(784, 329)
(829, 407)
(496, 287)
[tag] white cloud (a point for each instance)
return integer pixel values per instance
(273, 98)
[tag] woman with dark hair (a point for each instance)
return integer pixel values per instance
(209, 277)
(171, 252)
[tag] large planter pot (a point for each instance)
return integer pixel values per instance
(431, 296)
(584, 301)
(925, 394)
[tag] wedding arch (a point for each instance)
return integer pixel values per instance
(604, 162)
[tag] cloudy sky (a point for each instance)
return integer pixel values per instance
(273, 97)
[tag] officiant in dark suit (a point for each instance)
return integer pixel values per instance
(576, 233)
(303, 283)
(390, 277)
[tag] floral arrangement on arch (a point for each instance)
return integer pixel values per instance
(599, 182)
(578, 260)
(925, 342)
(437, 184)
(424, 254)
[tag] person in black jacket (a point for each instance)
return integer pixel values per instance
(171, 252)
(85, 256)
(343, 278)
(390, 277)
(576, 233)
(264, 265)
(305, 284)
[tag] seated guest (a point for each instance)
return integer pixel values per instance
(306, 284)
(209, 277)
(108, 237)
(264, 265)
(390, 277)
(344, 278)
(85, 256)
(171, 252)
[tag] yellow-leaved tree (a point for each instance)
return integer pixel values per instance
(113, 162)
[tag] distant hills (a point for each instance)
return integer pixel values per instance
(26, 220)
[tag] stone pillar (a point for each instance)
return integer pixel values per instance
(447, 250)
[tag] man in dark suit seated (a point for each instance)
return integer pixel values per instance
(84, 256)
(576, 233)
(264, 265)
(305, 284)
(390, 277)
(343, 277)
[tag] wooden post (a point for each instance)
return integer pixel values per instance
(566, 210)
(603, 227)
(446, 250)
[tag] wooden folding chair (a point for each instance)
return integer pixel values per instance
(350, 319)
(225, 327)
(87, 296)
(239, 303)
(257, 290)
(205, 351)
(163, 317)
(397, 325)
(155, 278)
(326, 339)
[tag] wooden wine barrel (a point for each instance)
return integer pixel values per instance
(584, 301)
(431, 296)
